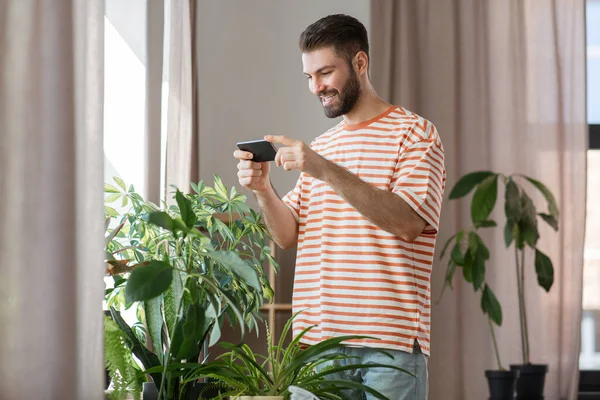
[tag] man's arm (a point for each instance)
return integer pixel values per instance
(278, 217)
(385, 209)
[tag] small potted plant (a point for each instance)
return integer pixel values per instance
(469, 252)
(244, 375)
(188, 269)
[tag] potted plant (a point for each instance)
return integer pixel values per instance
(469, 252)
(245, 375)
(188, 269)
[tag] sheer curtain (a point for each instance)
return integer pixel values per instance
(182, 125)
(51, 209)
(504, 81)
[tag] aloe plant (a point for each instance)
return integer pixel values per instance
(469, 252)
(244, 373)
(187, 272)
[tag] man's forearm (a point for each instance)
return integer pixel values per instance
(278, 217)
(383, 208)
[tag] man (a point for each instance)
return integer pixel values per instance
(364, 213)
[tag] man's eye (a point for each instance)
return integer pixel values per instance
(308, 77)
(326, 73)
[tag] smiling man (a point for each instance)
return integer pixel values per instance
(364, 213)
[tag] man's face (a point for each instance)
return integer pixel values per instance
(333, 80)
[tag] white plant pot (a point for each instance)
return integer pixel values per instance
(257, 398)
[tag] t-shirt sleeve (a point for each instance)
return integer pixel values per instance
(293, 197)
(420, 177)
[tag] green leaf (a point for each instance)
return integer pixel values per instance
(120, 183)
(186, 209)
(220, 189)
(446, 246)
(111, 212)
(111, 198)
(468, 182)
(456, 255)
(232, 262)
(477, 245)
(528, 222)
(552, 207)
(491, 306)
(478, 270)
(508, 233)
(484, 199)
(512, 201)
(215, 334)
(450, 273)
(550, 220)
(148, 281)
(224, 230)
(148, 359)
(108, 188)
(162, 219)
(544, 270)
(468, 267)
(154, 321)
(125, 201)
(189, 333)
(486, 224)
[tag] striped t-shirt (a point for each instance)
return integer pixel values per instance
(353, 278)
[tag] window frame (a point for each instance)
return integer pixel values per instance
(594, 137)
(589, 380)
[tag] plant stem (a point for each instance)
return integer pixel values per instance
(500, 367)
(520, 296)
(526, 334)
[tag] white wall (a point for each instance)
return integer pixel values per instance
(251, 81)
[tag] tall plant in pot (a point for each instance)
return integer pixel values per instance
(191, 269)
(521, 233)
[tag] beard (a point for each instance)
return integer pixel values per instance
(347, 99)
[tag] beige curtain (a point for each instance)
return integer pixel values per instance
(155, 11)
(51, 209)
(182, 124)
(504, 81)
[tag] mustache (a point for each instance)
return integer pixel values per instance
(327, 93)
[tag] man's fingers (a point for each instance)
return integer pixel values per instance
(247, 164)
(289, 165)
(243, 155)
(284, 140)
(248, 173)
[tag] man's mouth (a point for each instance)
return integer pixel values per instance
(326, 100)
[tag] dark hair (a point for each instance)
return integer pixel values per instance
(344, 33)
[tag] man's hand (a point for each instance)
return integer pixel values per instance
(252, 175)
(295, 154)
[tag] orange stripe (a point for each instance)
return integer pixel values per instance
(363, 280)
(299, 305)
(300, 263)
(413, 293)
(362, 315)
(360, 271)
(365, 253)
(354, 297)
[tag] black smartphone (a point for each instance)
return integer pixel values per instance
(263, 151)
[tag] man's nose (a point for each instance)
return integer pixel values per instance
(317, 87)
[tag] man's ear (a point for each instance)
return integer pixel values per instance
(361, 62)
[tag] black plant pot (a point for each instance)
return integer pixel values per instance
(502, 384)
(530, 385)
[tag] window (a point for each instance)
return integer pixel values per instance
(589, 359)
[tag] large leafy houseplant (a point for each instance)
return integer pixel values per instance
(241, 372)
(187, 268)
(469, 251)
